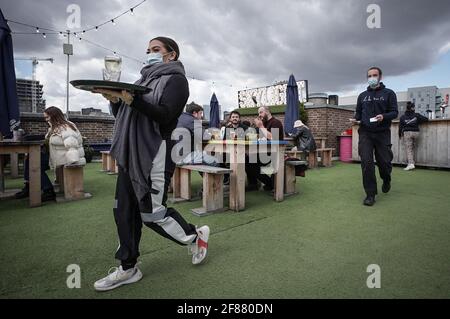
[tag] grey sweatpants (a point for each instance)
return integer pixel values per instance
(410, 141)
(130, 213)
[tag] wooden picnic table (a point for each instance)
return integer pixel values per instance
(33, 149)
(237, 149)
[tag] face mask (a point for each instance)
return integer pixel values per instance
(155, 57)
(373, 82)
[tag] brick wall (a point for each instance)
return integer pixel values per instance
(324, 121)
(95, 129)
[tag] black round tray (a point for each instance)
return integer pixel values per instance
(92, 85)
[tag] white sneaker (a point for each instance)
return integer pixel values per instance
(199, 249)
(409, 167)
(118, 278)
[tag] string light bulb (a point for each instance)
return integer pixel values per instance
(37, 29)
(96, 28)
(131, 12)
(44, 35)
(113, 22)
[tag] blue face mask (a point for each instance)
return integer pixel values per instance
(373, 82)
(153, 58)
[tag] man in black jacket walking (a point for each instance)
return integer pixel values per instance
(375, 109)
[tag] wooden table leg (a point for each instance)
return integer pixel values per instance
(2, 175)
(14, 165)
(279, 176)
(176, 183)
(34, 156)
(237, 177)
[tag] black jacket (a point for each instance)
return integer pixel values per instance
(373, 102)
(189, 122)
(304, 139)
(166, 114)
(240, 131)
(409, 122)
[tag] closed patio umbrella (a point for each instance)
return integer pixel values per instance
(214, 116)
(291, 113)
(9, 107)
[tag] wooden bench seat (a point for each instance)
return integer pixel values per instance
(73, 182)
(105, 155)
(312, 157)
(326, 156)
(109, 164)
(212, 196)
(290, 178)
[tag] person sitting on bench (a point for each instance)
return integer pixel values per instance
(303, 139)
(187, 120)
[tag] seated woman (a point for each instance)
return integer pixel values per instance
(303, 138)
(64, 140)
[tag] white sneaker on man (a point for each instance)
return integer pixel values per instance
(118, 278)
(409, 167)
(199, 249)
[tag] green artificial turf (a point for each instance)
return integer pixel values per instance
(317, 244)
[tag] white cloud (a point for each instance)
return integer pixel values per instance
(243, 43)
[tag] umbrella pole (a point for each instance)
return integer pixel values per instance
(67, 81)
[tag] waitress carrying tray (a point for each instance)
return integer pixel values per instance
(93, 85)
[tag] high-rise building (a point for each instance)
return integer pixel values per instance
(206, 111)
(426, 98)
(29, 91)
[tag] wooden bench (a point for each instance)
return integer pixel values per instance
(109, 164)
(105, 155)
(73, 182)
(290, 178)
(326, 156)
(312, 157)
(212, 195)
(181, 184)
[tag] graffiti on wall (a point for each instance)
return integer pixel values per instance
(270, 95)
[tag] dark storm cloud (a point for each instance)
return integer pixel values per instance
(254, 42)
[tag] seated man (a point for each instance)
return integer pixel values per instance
(234, 127)
(270, 128)
(188, 120)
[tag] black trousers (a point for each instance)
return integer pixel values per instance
(380, 144)
(130, 213)
(46, 184)
(253, 171)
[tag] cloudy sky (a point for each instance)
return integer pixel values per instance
(227, 45)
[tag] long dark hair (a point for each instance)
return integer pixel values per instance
(170, 45)
(57, 119)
